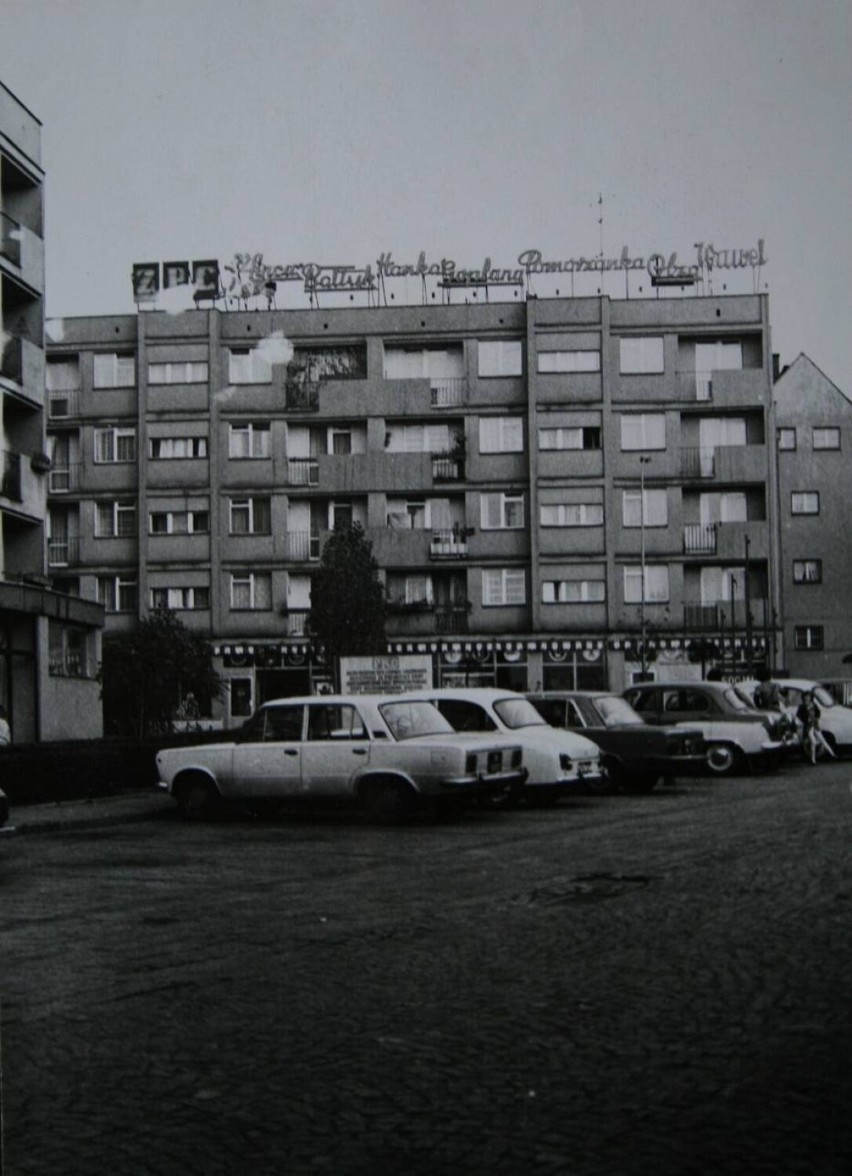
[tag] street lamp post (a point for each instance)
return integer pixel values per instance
(643, 461)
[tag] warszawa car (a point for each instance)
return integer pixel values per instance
(385, 752)
(636, 755)
(737, 735)
(557, 762)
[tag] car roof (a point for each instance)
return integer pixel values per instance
(700, 684)
(335, 699)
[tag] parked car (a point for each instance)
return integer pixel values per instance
(388, 753)
(557, 761)
(736, 733)
(636, 755)
(835, 718)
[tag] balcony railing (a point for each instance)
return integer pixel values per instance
(62, 479)
(451, 620)
(447, 469)
(63, 404)
(448, 544)
(301, 397)
(63, 552)
(303, 545)
(726, 615)
(448, 391)
(699, 539)
(10, 239)
(303, 471)
(698, 462)
(10, 487)
(11, 357)
(703, 385)
(296, 621)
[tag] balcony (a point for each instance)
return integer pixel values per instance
(11, 487)
(448, 391)
(63, 479)
(62, 553)
(64, 404)
(451, 620)
(303, 471)
(10, 239)
(448, 544)
(301, 397)
(12, 358)
(699, 539)
(726, 615)
(296, 621)
(446, 468)
(303, 546)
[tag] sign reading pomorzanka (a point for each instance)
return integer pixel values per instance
(249, 276)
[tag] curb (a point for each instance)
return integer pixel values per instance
(86, 814)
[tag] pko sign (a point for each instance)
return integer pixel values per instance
(203, 276)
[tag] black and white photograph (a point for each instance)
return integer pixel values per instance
(425, 573)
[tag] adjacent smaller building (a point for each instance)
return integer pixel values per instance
(813, 425)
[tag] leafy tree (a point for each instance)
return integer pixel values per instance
(151, 672)
(347, 615)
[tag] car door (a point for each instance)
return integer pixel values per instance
(337, 746)
(690, 705)
(268, 753)
(648, 704)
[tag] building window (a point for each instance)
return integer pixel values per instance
(656, 584)
(786, 438)
(240, 694)
(807, 571)
(68, 655)
(501, 511)
(189, 372)
(500, 357)
(824, 438)
(584, 437)
(414, 591)
(656, 512)
(565, 362)
(804, 502)
(251, 516)
(573, 591)
(248, 365)
(117, 594)
(504, 586)
(808, 636)
(250, 440)
(175, 448)
(571, 514)
(501, 435)
(63, 375)
(115, 445)
(253, 590)
(186, 599)
(643, 430)
(179, 522)
(115, 371)
(115, 520)
(641, 357)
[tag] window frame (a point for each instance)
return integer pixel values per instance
(564, 508)
(585, 595)
(802, 494)
(119, 373)
(510, 434)
(809, 638)
(633, 572)
(508, 358)
(253, 505)
(254, 580)
(170, 369)
(504, 500)
(119, 509)
(116, 434)
(660, 493)
(639, 343)
(785, 433)
(800, 571)
(503, 579)
(188, 600)
(568, 363)
(645, 444)
(251, 430)
(825, 429)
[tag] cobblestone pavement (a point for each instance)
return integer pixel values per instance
(619, 986)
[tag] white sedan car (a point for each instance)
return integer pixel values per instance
(387, 753)
(557, 761)
(835, 719)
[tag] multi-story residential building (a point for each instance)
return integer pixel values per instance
(544, 482)
(813, 419)
(49, 643)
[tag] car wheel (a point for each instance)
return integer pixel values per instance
(196, 796)
(722, 759)
(387, 800)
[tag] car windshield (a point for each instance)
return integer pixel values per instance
(518, 712)
(738, 700)
(616, 712)
(410, 720)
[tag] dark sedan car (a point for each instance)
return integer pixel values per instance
(636, 755)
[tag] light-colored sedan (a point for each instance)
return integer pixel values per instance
(557, 761)
(835, 720)
(388, 753)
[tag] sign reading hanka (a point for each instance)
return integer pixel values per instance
(249, 276)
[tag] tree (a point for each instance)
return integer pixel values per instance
(147, 675)
(347, 615)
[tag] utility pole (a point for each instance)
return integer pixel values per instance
(643, 461)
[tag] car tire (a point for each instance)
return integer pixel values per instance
(723, 759)
(388, 800)
(196, 796)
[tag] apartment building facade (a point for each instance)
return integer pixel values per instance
(813, 419)
(49, 642)
(558, 492)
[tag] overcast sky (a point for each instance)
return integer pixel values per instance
(334, 130)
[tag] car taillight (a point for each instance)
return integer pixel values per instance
(566, 763)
